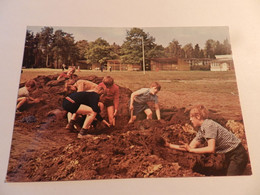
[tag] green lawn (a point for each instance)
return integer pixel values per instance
(202, 81)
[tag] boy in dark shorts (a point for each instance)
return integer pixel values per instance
(84, 103)
(219, 140)
(139, 99)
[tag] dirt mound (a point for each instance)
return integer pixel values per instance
(42, 150)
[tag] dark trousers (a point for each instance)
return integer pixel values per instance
(237, 160)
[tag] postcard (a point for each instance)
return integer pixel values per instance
(113, 103)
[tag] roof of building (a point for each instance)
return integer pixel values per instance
(164, 59)
(223, 57)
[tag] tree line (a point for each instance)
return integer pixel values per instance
(52, 49)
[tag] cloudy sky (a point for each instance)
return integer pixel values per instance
(162, 35)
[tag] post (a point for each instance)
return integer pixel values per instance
(143, 55)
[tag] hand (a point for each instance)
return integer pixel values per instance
(186, 147)
(115, 113)
(167, 144)
(106, 123)
(36, 100)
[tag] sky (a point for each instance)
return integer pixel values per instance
(163, 35)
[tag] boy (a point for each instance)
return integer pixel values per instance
(218, 139)
(80, 85)
(68, 74)
(84, 103)
(110, 99)
(23, 95)
(72, 86)
(139, 99)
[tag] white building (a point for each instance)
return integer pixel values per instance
(222, 63)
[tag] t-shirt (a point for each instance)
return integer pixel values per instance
(225, 139)
(145, 96)
(111, 94)
(23, 92)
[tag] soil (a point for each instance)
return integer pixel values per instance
(43, 150)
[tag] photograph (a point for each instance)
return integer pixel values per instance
(103, 103)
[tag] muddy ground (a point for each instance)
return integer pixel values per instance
(43, 150)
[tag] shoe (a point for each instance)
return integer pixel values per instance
(70, 126)
(82, 133)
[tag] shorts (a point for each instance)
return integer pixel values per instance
(69, 106)
(138, 108)
(108, 103)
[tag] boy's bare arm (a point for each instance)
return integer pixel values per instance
(132, 98)
(175, 146)
(157, 111)
(210, 148)
(194, 143)
(33, 100)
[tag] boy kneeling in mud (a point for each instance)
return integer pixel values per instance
(24, 95)
(84, 103)
(139, 99)
(219, 140)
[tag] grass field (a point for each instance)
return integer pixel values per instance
(173, 81)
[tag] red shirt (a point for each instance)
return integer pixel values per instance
(112, 94)
(64, 75)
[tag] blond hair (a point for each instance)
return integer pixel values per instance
(199, 110)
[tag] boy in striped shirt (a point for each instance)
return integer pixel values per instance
(218, 139)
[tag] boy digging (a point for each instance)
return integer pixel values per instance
(139, 99)
(110, 99)
(24, 95)
(218, 139)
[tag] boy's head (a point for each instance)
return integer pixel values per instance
(69, 86)
(155, 88)
(198, 114)
(30, 85)
(71, 70)
(108, 81)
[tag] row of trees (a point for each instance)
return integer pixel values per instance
(52, 49)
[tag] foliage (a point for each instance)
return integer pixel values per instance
(64, 49)
(82, 47)
(52, 49)
(173, 49)
(188, 51)
(132, 48)
(99, 52)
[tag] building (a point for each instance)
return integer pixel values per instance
(117, 65)
(84, 65)
(222, 63)
(169, 64)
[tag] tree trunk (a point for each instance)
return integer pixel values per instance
(47, 59)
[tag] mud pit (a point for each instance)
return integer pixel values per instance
(43, 150)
